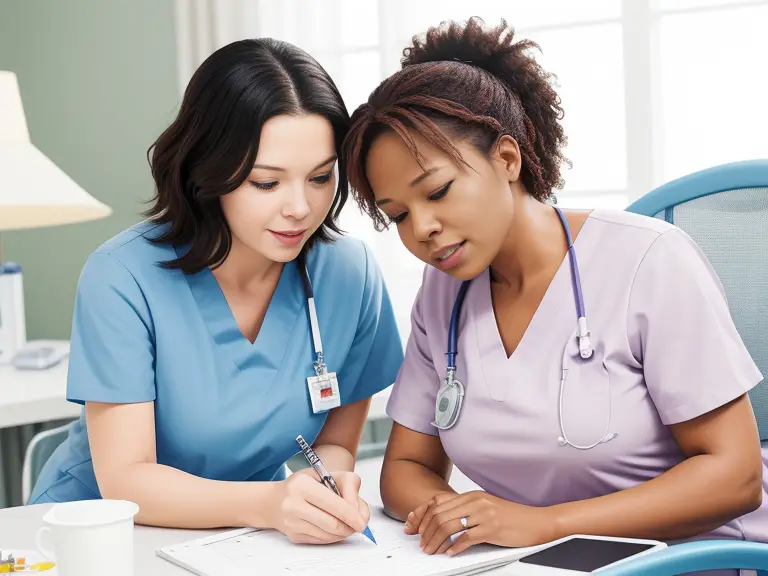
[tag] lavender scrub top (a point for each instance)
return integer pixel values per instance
(666, 351)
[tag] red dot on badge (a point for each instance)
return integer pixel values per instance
(326, 392)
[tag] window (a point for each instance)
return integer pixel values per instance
(652, 89)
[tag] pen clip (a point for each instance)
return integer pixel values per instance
(329, 482)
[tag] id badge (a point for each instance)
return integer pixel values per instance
(324, 392)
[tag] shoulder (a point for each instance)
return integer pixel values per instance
(636, 240)
(346, 260)
(134, 245)
(129, 254)
(649, 250)
(640, 230)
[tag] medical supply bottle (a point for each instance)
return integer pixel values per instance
(13, 333)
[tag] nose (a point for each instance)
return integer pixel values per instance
(296, 206)
(424, 224)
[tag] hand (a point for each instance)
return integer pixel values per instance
(413, 521)
(490, 520)
(348, 484)
(309, 513)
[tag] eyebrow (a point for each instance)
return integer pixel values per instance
(278, 169)
(413, 183)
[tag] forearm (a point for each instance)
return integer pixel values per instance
(406, 485)
(171, 498)
(696, 496)
(335, 458)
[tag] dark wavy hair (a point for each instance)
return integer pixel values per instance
(208, 151)
(463, 82)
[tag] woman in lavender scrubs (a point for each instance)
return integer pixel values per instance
(655, 436)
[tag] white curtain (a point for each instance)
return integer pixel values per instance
(203, 26)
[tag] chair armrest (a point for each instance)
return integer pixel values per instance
(695, 556)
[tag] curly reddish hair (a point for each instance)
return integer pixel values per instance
(464, 82)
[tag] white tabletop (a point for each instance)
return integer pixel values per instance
(18, 525)
(32, 396)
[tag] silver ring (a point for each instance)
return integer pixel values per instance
(463, 522)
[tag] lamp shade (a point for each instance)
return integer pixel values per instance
(34, 192)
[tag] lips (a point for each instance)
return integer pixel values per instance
(289, 238)
(288, 233)
(446, 251)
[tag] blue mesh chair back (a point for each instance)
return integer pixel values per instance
(725, 210)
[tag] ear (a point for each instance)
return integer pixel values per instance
(507, 157)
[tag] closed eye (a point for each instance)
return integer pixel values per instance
(265, 185)
(441, 192)
(324, 179)
(397, 219)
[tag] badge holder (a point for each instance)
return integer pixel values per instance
(323, 386)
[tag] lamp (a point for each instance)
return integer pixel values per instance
(34, 192)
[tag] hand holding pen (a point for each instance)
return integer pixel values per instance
(326, 478)
(308, 512)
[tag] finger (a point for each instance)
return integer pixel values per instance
(437, 502)
(445, 504)
(442, 534)
(414, 519)
(364, 509)
(324, 522)
(445, 524)
(309, 533)
(469, 538)
(328, 501)
(349, 486)
(445, 545)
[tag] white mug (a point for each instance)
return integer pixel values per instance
(90, 537)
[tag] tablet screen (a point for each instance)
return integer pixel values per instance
(584, 554)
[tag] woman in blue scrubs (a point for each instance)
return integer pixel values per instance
(198, 334)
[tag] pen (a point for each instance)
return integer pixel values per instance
(325, 476)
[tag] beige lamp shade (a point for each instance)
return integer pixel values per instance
(34, 192)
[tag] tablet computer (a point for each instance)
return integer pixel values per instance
(581, 554)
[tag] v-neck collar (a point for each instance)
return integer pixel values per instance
(499, 371)
(262, 358)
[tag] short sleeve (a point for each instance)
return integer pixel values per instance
(112, 350)
(681, 330)
(412, 402)
(377, 351)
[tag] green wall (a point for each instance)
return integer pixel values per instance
(98, 81)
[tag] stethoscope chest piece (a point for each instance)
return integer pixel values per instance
(448, 402)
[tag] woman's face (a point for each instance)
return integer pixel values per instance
(290, 190)
(454, 218)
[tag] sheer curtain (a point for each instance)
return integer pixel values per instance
(652, 89)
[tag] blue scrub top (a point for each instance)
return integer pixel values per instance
(225, 409)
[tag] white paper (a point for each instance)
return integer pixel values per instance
(396, 553)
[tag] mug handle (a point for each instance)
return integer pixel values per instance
(44, 550)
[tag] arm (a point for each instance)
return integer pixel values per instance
(122, 439)
(415, 469)
(338, 440)
(720, 479)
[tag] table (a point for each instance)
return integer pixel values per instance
(18, 525)
(32, 396)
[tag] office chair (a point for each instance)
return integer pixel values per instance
(725, 210)
(38, 451)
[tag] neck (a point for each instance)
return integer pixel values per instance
(535, 243)
(246, 269)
